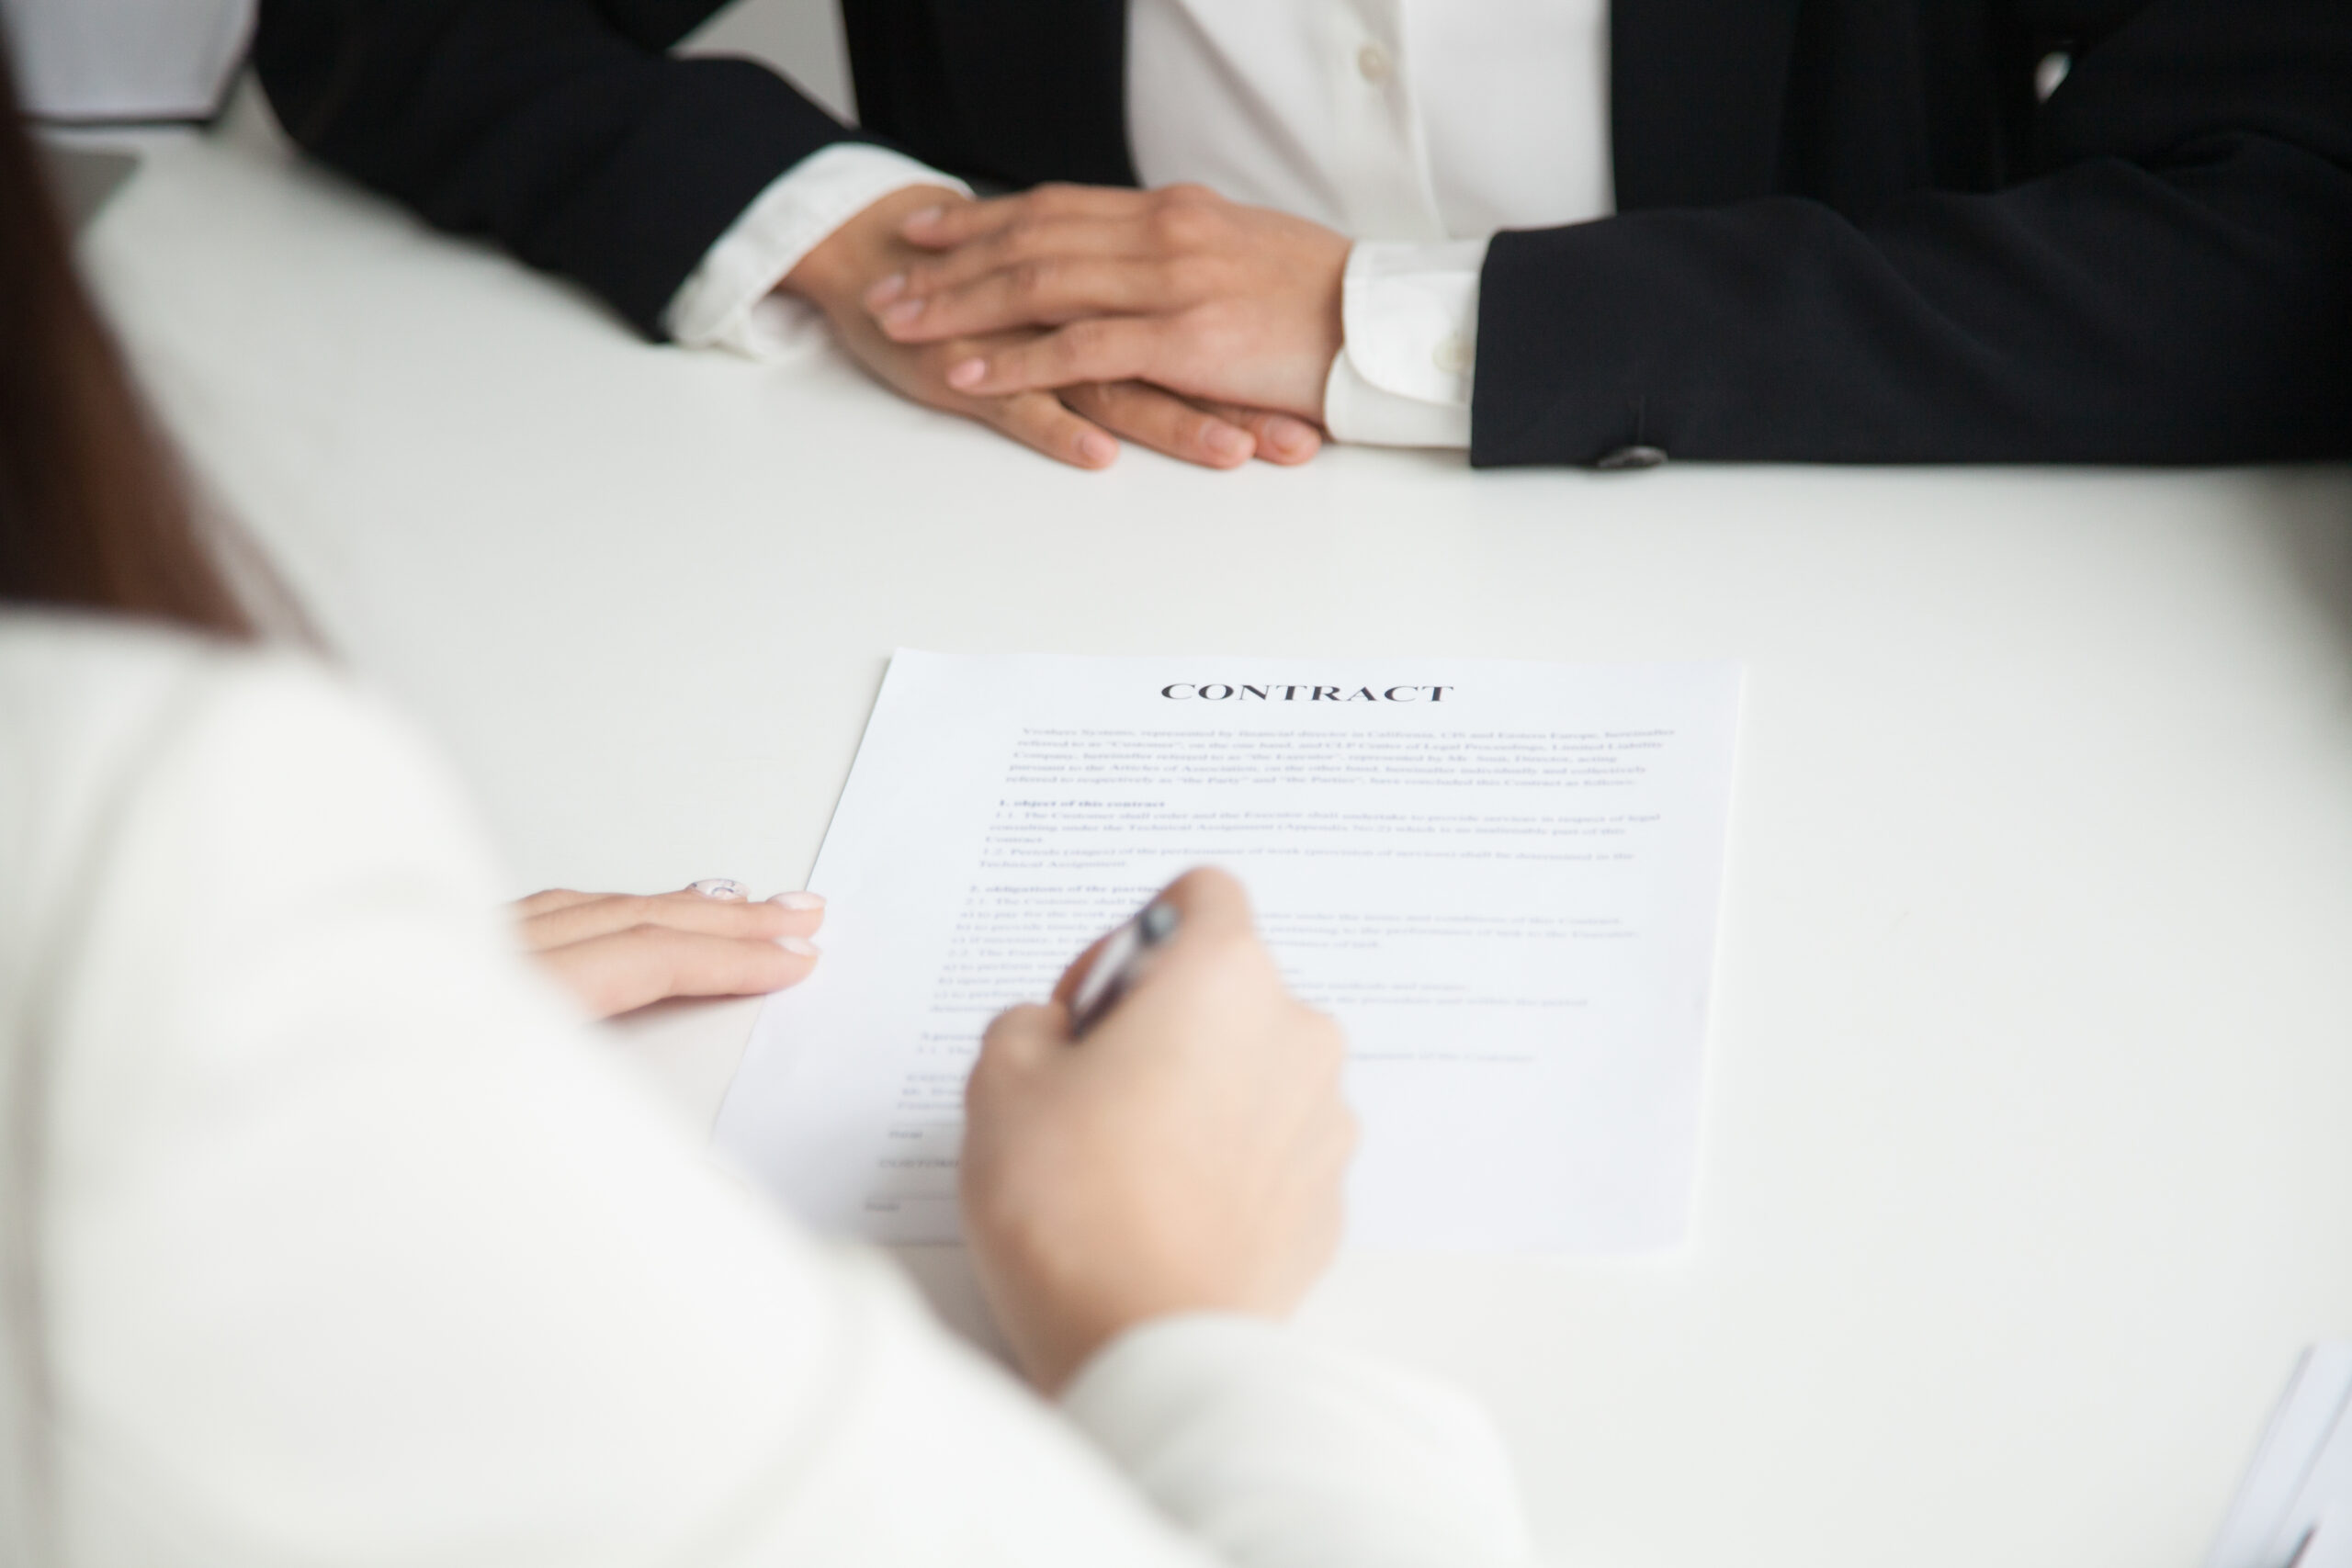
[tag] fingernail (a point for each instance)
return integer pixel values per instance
(889, 289)
(1227, 442)
(900, 314)
(724, 888)
(799, 900)
(922, 218)
(967, 374)
(1285, 434)
(1097, 448)
(798, 945)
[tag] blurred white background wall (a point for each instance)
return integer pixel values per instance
(102, 61)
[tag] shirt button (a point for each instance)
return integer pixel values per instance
(1626, 457)
(1452, 353)
(2051, 73)
(1373, 64)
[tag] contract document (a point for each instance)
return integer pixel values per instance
(1501, 879)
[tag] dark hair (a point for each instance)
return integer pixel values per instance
(94, 512)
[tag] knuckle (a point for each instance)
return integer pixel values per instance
(1175, 227)
(1033, 278)
(1212, 881)
(1000, 1053)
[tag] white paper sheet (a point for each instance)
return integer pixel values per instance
(2294, 1507)
(1502, 878)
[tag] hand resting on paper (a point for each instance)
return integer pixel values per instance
(1186, 1156)
(1177, 286)
(616, 952)
(1076, 422)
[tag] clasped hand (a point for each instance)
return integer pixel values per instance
(1069, 315)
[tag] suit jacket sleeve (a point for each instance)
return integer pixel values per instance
(2172, 283)
(557, 128)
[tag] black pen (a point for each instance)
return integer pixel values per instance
(1120, 966)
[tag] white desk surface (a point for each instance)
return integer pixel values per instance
(2029, 1143)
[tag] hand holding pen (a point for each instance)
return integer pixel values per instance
(1186, 1155)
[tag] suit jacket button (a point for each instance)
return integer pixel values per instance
(1630, 457)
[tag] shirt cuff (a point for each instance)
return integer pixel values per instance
(1275, 1450)
(1410, 315)
(730, 300)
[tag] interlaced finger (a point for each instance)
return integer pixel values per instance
(1034, 246)
(1163, 421)
(1040, 420)
(953, 224)
(1048, 291)
(1281, 437)
(1096, 349)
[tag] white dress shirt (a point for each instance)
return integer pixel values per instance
(331, 1234)
(1416, 127)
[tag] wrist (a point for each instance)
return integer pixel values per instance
(1059, 1305)
(1331, 343)
(848, 260)
(1052, 1322)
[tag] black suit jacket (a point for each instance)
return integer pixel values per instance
(1849, 230)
